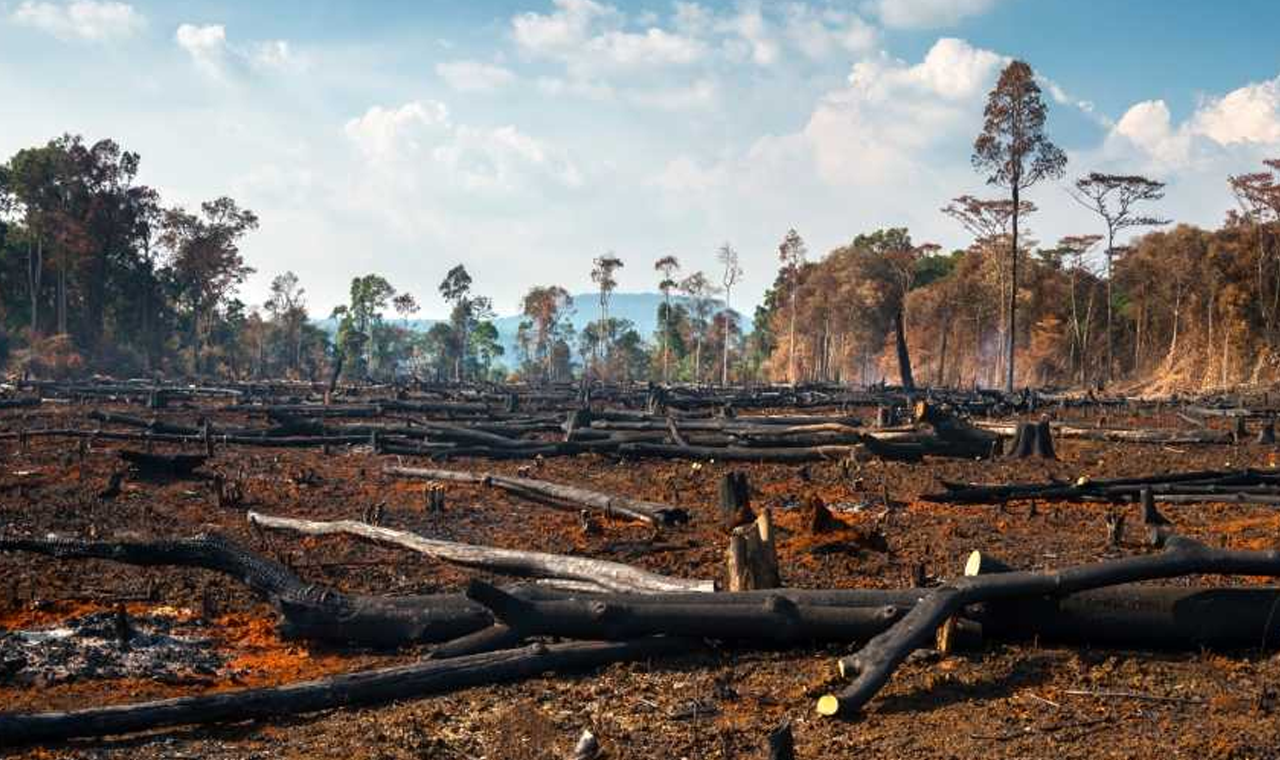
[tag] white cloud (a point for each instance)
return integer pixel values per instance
(879, 131)
(755, 35)
(207, 46)
(382, 133)
(823, 33)
(703, 93)
(218, 59)
(589, 39)
(927, 14)
(418, 157)
(1228, 128)
(80, 20)
(1250, 114)
(474, 76)
(277, 55)
(648, 60)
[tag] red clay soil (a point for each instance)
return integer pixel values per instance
(1004, 701)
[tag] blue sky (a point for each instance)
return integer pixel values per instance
(522, 138)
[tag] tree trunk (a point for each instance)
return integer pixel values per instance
(751, 561)
(1012, 338)
(35, 270)
(607, 575)
(875, 663)
(791, 340)
(540, 490)
(349, 689)
(904, 356)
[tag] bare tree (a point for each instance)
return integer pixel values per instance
(1113, 197)
(728, 259)
(1074, 250)
(792, 252)
(1015, 153)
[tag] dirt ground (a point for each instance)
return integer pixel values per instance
(1003, 701)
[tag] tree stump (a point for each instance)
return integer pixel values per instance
(1033, 439)
(1115, 529)
(818, 519)
(782, 745)
(1267, 434)
(735, 500)
(752, 559)
(433, 497)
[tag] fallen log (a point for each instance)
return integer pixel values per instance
(736, 454)
(873, 665)
(1121, 435)
(307, 611)
(166, 465)
(610, 504)
(774, 618)
(608, 575)
(347, 690)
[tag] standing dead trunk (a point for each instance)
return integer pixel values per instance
(752, 560)
(904, 356)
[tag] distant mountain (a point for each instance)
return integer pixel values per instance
(640, 308)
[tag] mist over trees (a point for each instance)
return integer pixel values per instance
(99, 274)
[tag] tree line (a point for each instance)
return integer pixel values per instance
(1173, 308)
(98, 274)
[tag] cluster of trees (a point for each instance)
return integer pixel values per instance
(699, 337)
(97, 271)
(1174, 308)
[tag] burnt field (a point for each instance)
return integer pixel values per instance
(81, 632)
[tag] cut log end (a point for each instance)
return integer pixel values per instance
(829, 706)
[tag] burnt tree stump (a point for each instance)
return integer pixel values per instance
(752, 559)
(735, 500)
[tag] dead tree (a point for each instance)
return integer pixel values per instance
(163, 465)
(770, 618)
(751, 561)
(557, 494)
(605, 575)
(873, 665)
(1033, 439)
(368, 687)
(307, 611)
(735, 500)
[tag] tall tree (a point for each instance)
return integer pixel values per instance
(701, 294)
(668, 266)
(1015, 153)
(288, 309)
(360, 320)
(546, 310)
(1074, 252)
(1114, 198)
(792, 252)
(204, 255)
(1258, 194)
(730, 274)
(456, 289)
(602, 274)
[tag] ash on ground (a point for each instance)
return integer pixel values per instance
(107, 645)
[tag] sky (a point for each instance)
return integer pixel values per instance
(522, 138)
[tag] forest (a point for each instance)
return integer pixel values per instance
(99, 275)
